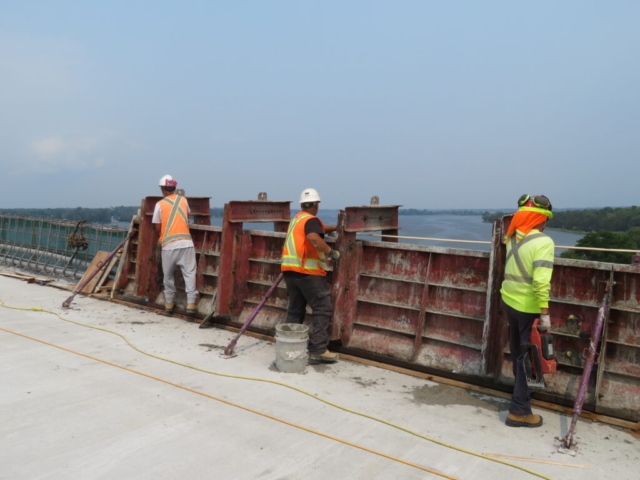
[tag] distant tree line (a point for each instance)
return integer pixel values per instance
(592, 220)
(415, 211)
(91, 215)
(615, 228)
(216, 212)
(629, 240)
(489, 217)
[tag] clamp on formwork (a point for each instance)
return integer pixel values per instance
(239, 253)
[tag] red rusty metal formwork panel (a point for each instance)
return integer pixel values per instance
(455, 311)
(430, 301)
(261, 211)
(433, 307)
(126, 278)
(147, 270)
(263, 267)
(251, 260)
(371, 218)
(207, 241)
(345, 286)
(619, 369)
(494, 335)
(345, 281)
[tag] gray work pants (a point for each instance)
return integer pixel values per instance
(313, 290)
(185, 258)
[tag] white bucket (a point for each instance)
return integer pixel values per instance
(291, 347)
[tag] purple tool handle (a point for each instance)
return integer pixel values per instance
(229, 349)
(567, 440)
(591, 354)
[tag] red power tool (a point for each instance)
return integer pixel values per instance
(539, 357)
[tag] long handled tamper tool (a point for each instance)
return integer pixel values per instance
(567, 444)
(228, 352)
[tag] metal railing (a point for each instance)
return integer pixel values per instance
(59, 248)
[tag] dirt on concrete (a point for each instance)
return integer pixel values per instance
(447, 395)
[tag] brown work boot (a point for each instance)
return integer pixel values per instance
(169, 307)
(530, 420)
(191, 308)
(325, 357)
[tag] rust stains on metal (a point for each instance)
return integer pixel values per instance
(428, 306)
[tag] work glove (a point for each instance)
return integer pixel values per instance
(545, 323)
(332, 254)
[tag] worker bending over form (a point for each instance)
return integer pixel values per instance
(302, 257)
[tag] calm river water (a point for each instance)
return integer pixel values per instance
(457, 227)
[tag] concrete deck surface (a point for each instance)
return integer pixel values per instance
(63, 416)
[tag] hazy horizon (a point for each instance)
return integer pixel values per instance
(295, 207)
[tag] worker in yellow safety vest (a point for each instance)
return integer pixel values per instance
(171, 218)
(525, 292)
(304, 253)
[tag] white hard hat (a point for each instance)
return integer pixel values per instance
(309, 195)
(167, 181)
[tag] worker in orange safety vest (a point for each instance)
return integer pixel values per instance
(171, 218)
(304, 253)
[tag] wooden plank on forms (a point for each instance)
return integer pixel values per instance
(37, 279)
(104, 276)
(99, 257)
(19, 277)
(124, 254)
(108, 286)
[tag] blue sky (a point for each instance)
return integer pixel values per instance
(427, 104)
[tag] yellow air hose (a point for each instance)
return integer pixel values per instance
(255, 379)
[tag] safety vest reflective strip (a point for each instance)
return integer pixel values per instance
(290, 242)
(290, 257)
(175, 210)
(515, 256)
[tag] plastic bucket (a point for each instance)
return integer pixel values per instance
(291, 347)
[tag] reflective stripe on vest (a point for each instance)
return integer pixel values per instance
(291, 244)
(297, 261)
(513, 254)
(176, 209)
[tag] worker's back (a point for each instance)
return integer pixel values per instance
(528, 271)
